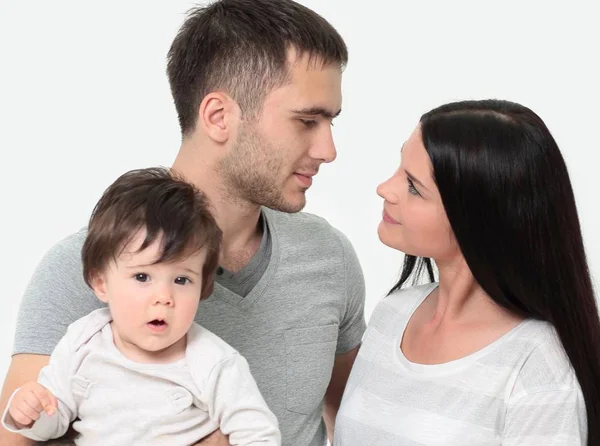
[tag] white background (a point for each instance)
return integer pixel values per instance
(84, 97)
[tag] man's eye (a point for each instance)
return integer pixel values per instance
(309, 122)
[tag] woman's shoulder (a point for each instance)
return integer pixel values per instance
(546, 367)
(399, 304)
(407, 299)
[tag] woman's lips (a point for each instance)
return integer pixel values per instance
(388, 219)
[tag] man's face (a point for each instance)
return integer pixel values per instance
(275, 157)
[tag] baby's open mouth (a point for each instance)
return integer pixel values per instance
(157, 322)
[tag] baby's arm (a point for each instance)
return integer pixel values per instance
(236, 403)
(44, 410)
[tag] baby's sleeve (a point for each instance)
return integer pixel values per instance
(235, 402)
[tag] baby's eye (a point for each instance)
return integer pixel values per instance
(182, 280)
(141, 277)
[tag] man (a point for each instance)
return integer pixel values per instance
(256, 84)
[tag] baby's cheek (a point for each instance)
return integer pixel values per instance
(188, 309)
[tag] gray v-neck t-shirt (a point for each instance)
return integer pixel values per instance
(242, 282)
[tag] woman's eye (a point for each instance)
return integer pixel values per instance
(411, 188)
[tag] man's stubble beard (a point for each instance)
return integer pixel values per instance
(251, 173)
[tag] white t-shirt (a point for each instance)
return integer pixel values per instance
(519, 390)
(122, 402)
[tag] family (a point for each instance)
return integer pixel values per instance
(201, 306)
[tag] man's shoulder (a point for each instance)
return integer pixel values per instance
(306, 228)
(56, 296)
(69, 247)
(61, 269)
(297, 219)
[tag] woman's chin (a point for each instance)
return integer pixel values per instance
(388, 239)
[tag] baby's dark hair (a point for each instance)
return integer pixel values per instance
(167, 207)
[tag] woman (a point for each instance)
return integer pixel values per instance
(504, 350)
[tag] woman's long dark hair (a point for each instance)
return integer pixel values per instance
(506, 190)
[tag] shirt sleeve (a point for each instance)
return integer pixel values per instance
(55, 378)
(551, 418)
(55, 297)
(234, 401)
(353, 326)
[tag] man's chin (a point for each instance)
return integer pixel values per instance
(289, 206)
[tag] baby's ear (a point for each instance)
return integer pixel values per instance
(98, 283)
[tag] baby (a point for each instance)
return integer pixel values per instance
(140, 371)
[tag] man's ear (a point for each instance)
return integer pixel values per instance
(98, 283)
(219, 115)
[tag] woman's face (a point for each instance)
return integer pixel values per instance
(414, 220)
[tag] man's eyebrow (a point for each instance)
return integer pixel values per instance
(313, 111)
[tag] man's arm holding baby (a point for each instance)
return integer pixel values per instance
(56, 296)
(217, 438)
(43, 407)
(23, 369)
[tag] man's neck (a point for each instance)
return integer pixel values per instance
(238, 219)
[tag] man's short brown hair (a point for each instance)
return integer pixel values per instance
(240, 47)
(167, 207)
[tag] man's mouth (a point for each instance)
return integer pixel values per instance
(305, 178)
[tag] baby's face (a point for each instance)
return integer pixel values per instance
(152, 305)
